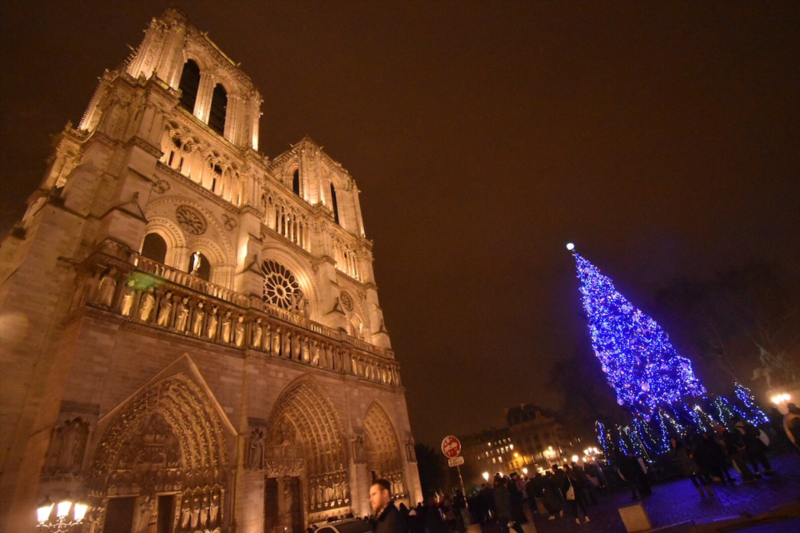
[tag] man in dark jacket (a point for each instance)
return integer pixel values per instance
(502, 504)
(386, 517)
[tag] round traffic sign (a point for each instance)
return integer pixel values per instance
(451, 447)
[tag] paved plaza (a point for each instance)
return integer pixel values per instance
(677, 503)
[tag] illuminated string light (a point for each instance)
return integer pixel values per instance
(753, 412)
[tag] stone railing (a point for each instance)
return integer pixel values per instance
(149, 293)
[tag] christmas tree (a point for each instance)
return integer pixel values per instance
(641, 364)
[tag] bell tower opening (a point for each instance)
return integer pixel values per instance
(189, 84)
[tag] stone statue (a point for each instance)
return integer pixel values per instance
(315, 353)
(286, 349)
(276, 342)
(165, 310)
(196, 507)
(197, 320)
(182, 315)
(186, 510)
(146, 305)
(296, 347)
(126, 305)
(215, 505)
(106, 289)
(304, 353)
(238, 332)
(255, 455)
(411, 453)
(258, 332)
(198, 260)
(205, 509)
(358, 449)
(225, 328)
(211, 330)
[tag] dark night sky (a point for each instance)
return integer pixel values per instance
(663, 138)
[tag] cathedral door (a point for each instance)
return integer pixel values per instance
(119, 515)
(283, 505)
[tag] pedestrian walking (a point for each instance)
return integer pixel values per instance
(683, 460)
(575, 495)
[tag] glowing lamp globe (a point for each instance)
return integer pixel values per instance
(570, 246)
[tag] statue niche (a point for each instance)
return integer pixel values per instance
(67, 448)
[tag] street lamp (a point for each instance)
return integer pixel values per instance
(62, 521)
(486, 476)
(574, 458)
(525, 471)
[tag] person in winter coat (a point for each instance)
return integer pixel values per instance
(626, 468)
(755, 449)
(712, 458)
(553, 498)
(387, 518)
(575, 494)
(791, 425)
(683, 459)
(502, 504)
(734, 445)
(517, 513)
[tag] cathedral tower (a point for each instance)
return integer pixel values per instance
(192, 337)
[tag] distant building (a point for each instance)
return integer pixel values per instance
(488, 451)
(540, 439)
(533, 439)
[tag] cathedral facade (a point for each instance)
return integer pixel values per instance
(191, 333)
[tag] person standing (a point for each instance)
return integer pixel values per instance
(791, 425)
(502, 504)
(386, 517)
(734, 444)
(575, 494)
(683, 459)
(755, 449)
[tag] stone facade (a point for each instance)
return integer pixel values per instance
(191, 332)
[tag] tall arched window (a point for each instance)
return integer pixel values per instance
(154, 247)
(296, 182)
(190, 82)
(334, 204)
(219, 102)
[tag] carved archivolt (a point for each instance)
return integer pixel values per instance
(382, 450)
(168, 437)
(305, 420)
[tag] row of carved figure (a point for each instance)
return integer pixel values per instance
(183, 314)
(201, 508)
(328, 491)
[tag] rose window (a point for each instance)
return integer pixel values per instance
(347, 301)
(280, 286)
(191, 220)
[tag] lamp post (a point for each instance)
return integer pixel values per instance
(62, 522)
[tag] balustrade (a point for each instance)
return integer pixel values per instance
(147, 292)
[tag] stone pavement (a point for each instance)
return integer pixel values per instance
(678, 502)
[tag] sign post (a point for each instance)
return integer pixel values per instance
(451, 448)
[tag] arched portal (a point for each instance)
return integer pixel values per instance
(382, 452)
(305, 424)
(162, 461)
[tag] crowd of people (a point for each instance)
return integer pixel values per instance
(570, 490)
